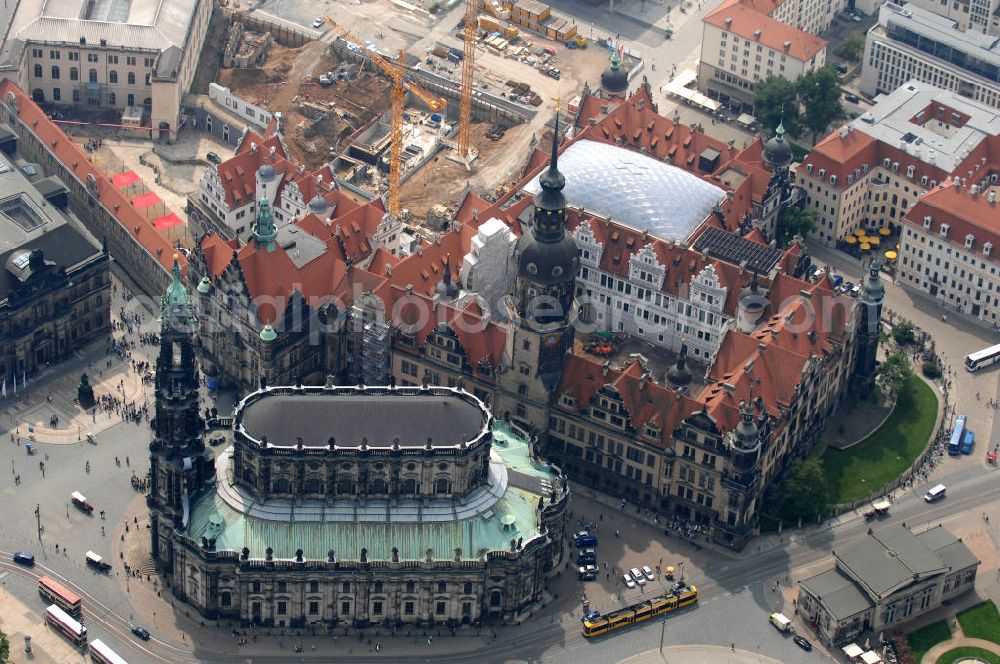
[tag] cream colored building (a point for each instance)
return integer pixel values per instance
(976, 15)
(110, 54)
(741, 45)
(872, 172)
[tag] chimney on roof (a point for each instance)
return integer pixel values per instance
(605, 367)
(992, 197)
(974, 190)
(388, 269)
(475, 214)
(642, 380)
(729, 21)
(756, 34)
(273, 151)
(787, 45)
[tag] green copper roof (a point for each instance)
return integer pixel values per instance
(308, 530)
(205, 285)
(177, 293)
(268, 334)
(264, 230)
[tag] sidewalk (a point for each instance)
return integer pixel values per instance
(698, 655)
(47, 647)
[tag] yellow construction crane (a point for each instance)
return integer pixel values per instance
(468, 68)
(401, 84)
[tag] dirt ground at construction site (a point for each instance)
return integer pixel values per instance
(290, 75)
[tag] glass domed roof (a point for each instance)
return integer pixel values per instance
(640, 191)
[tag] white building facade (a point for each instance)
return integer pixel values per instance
(487, 269)
(913, 43)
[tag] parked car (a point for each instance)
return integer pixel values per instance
(582, 533)
(638, 576)
(841, 68)
(588, 540)
(629, 581)
(554, 73)
(588, 572)
(648, 572)
(141, 632)
(847, 287)
(214, 158)
(24, 558)
(802, 642)
(318, 23)
(854, 99)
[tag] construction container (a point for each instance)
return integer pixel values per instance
(510, 32)
(489, 24)
(440, 51)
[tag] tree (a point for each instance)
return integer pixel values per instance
(805, 490)
(796, 221)
(903, 333)
(893, 373)
(852, 48)
(820, 93)
(4, 649)
(931, 370)
(775, 101)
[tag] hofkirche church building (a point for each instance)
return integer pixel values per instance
(760, 357)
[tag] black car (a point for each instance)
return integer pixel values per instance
(141, 632)
(24, 558)
(214, 158)
(802, 642)
(586, 560)
(854, 99)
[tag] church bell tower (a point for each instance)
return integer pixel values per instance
(179, 466)
(869, 330)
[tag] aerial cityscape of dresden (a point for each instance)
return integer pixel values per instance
(498, 331)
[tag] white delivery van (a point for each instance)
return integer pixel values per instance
(935, 494)
(781, 622)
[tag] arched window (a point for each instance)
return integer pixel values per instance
(112, 76)
(378, 485)
(92, 76)
(225, 598)
(345, 486)
(112, 98)
(495, 597)
(280, 485)
(314, 485)
(131, 78)
(409, 486)
(147, 102)
(441, 486)
(55, 72)
(38, 71)
(131, 99)
(74, 74)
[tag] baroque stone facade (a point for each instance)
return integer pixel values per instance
(341, 505)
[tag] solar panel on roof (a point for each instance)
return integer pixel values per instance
(735, 249)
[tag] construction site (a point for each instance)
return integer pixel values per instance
(457, 110)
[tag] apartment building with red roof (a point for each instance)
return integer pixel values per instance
(744, 42)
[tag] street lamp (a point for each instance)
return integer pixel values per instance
(663, 629)
(682, 571)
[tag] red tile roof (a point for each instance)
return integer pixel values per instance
(749, 22)
(965, 215)
(142, 230)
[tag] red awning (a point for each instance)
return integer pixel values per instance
(147, 199)
(125, 179)
(167, 221)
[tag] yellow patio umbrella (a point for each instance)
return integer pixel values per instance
(850, 239)
(865, 246)
(874, 240)
(884, 231)
(860, 232)
(891, 255)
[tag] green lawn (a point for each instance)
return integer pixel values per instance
(857, 471)
(927, 637)
(957, 654)
(981, 621)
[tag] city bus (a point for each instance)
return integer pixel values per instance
(56, 593)
(102, 654)
(66, 625)
(955, 442)
(983, 358)
(596, 623)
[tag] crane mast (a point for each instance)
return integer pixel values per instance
(468, 69)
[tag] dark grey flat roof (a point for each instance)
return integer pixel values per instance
(283, 418)
(838, 594)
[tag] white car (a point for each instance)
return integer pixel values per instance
(318, 23)
(638, 576)
(648, 572)
(629, 581)
(582, 533)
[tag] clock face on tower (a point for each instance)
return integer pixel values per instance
(551, 340)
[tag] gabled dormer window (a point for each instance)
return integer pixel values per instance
(944, 230)
(969, 239)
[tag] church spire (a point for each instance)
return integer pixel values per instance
(550, 203)
(264, 230)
